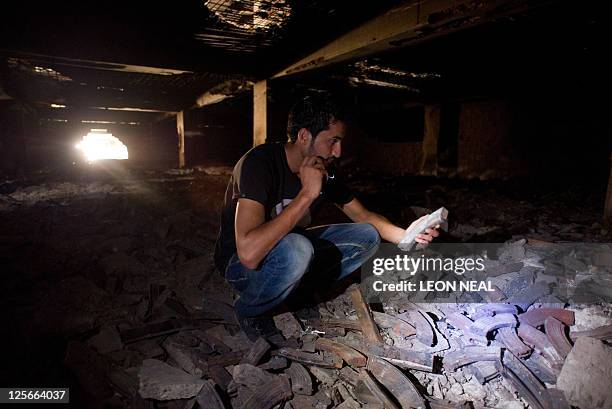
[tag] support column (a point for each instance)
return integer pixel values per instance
(180, 129)
(608, 206)
(429, 158)
(260, 111)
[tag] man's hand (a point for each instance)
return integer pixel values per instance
(429, 234)
(311, 175)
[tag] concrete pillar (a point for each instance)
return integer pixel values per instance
(608, 205)
(260, 112)
(180, 129)
(429, 158)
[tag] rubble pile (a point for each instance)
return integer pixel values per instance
(127, 281)
(534, 352)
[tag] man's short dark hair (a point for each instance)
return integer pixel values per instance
(315, 113)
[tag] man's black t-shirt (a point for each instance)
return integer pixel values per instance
(263, 175)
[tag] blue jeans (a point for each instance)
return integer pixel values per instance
(325, 252)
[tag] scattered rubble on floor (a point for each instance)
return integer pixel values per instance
(531, 353)
(161, 381)
(131, 283)
(585, 377)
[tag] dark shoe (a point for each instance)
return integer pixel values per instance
(255, 327)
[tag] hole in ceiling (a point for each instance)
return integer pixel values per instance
(251, 15)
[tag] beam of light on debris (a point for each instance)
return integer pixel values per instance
(98, 144)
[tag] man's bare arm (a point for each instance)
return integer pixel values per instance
(254, 236)
(387, 230)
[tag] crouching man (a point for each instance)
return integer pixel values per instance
(265, 245)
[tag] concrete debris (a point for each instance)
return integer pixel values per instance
(161, 381)
(238, 342)
(288, 325)
(251, 376)
(159, 321)
(62, 191)
(107, 340)
(494, 354)
(586, 373)
(301, 382)
(184, 357)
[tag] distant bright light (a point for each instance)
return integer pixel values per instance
(58, 106)
(98, 144)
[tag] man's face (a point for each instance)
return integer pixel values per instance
(327, 143)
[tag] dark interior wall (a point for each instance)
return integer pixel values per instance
(531, 136)
(220, 133)
(536, 132)
(152, 145)
(563, 135)
(484, 143)
(389, 130)
(384, 132)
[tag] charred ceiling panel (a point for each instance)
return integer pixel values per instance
(54, 82)
(168, 60)
(280, 30)
(258, 15)
(371, 73)
(245, 26)
(248, 25)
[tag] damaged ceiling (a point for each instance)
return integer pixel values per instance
(80, 66)
(163, 62)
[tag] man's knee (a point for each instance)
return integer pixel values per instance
(299, 248)
(369, 235)
(296, 252)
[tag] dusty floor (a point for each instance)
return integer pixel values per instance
(81, 255)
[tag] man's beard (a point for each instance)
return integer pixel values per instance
(311, 149)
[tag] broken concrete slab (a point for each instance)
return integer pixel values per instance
(349, 403)
(237, 342)
(602, 333)
(107, 340)
(275, 363)
(161, 381)
(267, 397)
(318, 401)
(148, 348)
(301, 382)
(183, 356)
(288, 325)
(256, 353)
(586, 373)
(208, 397)
(251, 376)
(326, 376)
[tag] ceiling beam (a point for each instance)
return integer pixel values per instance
(222, 91)
(89, 64)
(408, 24)
(92, 114)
